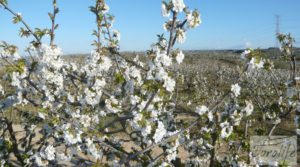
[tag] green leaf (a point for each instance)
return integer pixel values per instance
(18, 67)
(56, 26)
(206, 136)
(40, 33)
(21, 63)
(275, 108)
(3, 2)
(34, 64)
(24, 33)
(119, 78)
(8, 145)
(95, 43)
(17, 19)
(56, 11)
(94, 33)
(51, 16)
(93, 9)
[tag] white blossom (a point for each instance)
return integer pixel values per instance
(49, 51)
(165, 27)
(105, 8)
(48, 153)
(256, 63)
(91, 97)
(116, 34)
(39, 161)
(6, 53)
(71, 98)
(134, 99)
(164, 164)
(32, 127)
(62, 157)
(249, 108)
(236, 90)
(85, 120)
(160, 132)
(169, 84)
(226, 129)
(106, 63)
(178, 5)
(2, 163)
(41, 115)
(72, 139)
(179, 57)
(146, 130)
(15, 77)
(181, 36)
(276, 121)
(260, 64)
(161, 74)
(165, 12)
(1, 90)
(112, 105)
(95, 152)
(201, 110)
(193, 19)
(245, 54)
(210, 116)
(135, 74)
(172, 152)
(163, 58)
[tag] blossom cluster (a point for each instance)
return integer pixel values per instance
(107, 101)
(75, 100)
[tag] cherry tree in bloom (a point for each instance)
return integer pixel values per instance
(107, 102)
(75, 100)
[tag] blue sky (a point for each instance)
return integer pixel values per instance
(227, 24)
